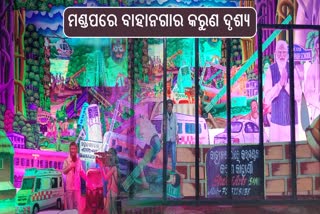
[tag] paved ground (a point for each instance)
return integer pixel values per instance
(145, 206)
(230, 210)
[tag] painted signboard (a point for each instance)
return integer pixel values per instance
(246, 172)
(87, 150)
(301, 54)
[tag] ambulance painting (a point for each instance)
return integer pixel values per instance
(28, 158)
(40, 189)
(186, 128)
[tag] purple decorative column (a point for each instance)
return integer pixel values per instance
(307, 14)
(266, 12)
(7, 54)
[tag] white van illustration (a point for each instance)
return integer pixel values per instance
(186, 128)
(40, 189)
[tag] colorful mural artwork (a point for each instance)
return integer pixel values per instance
(81, 119)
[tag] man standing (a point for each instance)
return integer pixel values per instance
(312, 86)
(172, 134)
(73, 170)
(277, 94)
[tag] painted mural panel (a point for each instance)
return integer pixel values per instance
(107, 95)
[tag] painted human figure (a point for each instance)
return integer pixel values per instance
(51, 129)
(147, 133)
(64, 127)
(253, 115)
(117, 69)
(277, 94)
(312, 85)
(174, 185)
